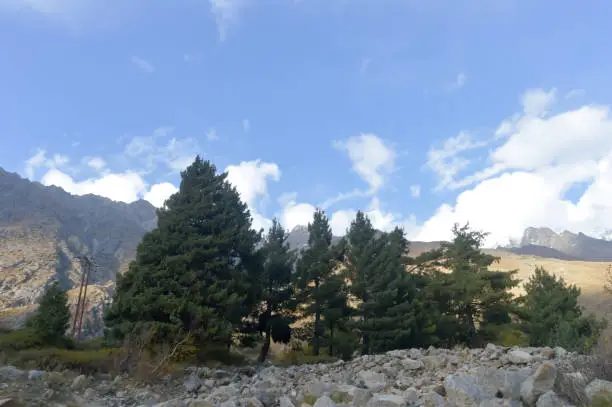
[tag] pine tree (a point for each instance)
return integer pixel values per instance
(193, 273)
(360, 269)
(312, 270)
(552, 315)
(467, 292)
(276, 288)
(53, 315)
(410, 320)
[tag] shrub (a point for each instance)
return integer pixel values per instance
(302, 357)
(602, 400)
(52, 317)
(84, 361)
(21, 339)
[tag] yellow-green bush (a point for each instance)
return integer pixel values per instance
(20, 339)
(602, 400)
(84, 361)
(302, 357)
(512, 337)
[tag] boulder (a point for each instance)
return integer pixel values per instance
(539, 383)
(519, 357)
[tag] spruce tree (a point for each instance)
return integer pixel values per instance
(361, 253)
(276, 288)
(53, 315)
(468, 294)
(552, 315)
(193, 273)
(312, 270)
(409, 321)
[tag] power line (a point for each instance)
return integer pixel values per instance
(86, 267)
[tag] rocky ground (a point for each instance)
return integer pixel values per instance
(487, 377)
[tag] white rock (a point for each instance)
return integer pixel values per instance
(324, 402)
(372, 380)
(539, 383)
(598, 386)
(285, 402)
(411, 364)
(35, 374)
(387, 400)
(519, 357)
(550, 399)
(79, 383)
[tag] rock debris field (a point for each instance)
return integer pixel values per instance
(488, 377)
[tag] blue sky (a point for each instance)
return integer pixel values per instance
(423, 113)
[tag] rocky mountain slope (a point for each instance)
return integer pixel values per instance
(43, 229)
(544, 242)
(486, 377)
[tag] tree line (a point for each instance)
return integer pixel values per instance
(205, 272)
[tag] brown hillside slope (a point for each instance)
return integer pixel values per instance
(587, 275)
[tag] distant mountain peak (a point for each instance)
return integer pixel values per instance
(568, 245)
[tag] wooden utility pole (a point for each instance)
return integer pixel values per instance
(77, 323)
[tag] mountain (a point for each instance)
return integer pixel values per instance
(43, 229)
(545, 242)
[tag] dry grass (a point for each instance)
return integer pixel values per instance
(588, 276)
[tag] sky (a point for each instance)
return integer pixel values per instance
(422, 113)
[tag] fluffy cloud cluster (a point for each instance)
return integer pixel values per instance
(534, 159)
(539, 157)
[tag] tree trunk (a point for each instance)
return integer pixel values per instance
(266, 346)
(268, 328)
(331, 339)
(315, 343)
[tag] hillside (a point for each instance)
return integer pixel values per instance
(43, 229)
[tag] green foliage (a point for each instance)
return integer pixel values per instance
(52, 317)
(302, 357)
(602, 399)
(469, 295)
(552, 316)
(84, 361)
(313, 271)
(274, 284)
(21, 339)
(195, 271)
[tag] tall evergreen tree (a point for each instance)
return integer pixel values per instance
(192, 273)
(409, 320)
(276, 288)
(53, 315)
(552, 315)
(361, 253)
(468, 294)
(312, 270)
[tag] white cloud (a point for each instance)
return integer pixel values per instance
(575, 93)
(251, 181)
(372, 159)
(246, 125)
(296, 214)
(460, 81)
(415, 190)
(123, 187)
(176, 153)
(211, 135)
(446, 161)
(226, 14)
(40, 159)
(143, 64)
(340, 220)
(97, 163)
(528, 175)
(537, 101)
(158, 193)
